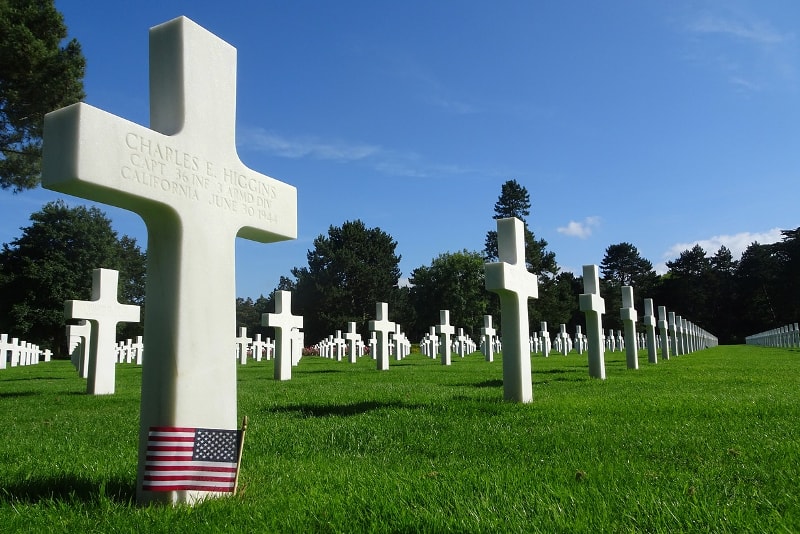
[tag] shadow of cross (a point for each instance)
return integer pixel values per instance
(184, 178)
(103, 312)
(511, 280)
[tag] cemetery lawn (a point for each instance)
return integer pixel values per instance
(707, 442)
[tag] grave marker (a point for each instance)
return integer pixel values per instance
(650, 326)
(593, 306)
(628, 315)
(283, 322)
(382, 326)
(184, 178)
(103, 312)
(444, 330)
(510, 279)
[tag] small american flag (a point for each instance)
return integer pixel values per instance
(191, 459)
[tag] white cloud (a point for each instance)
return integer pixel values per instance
(737, 243)
(754, 31)
(301, 147)
(581, 230)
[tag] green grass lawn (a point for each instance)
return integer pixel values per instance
(707, 442)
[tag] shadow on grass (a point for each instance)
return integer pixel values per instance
(9, 395)
(489, 384)
(560, 375)
(67, 489)
(317, 410)
(32, 378)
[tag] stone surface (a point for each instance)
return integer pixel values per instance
(593, 306)
(184, 178)
(510, 279)
(103, 312)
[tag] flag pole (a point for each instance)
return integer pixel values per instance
(241, 448)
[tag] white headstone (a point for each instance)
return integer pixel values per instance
(352, 338)
(628, 315)
(663, 330)
(593, 306)
(184, 177)
(103, 312)
(649, 321)
(382, 326)
(488, 333)
(283, 322)
(444, 330)
(510, 279)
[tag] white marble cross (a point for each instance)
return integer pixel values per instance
(382, 326)
(283, 322)
(80, 352)
(444, 330)
(242, 342)
(488, 333)
(663, 330)
(673, 334)
(511, 280)
(628, 315)
(103, 312)
(5, 347)
(351, 336)
(184, 178)
(649, 321)
(593, 306)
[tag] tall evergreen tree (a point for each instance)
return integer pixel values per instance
(37, 75)
(349, 270)
(455, 282)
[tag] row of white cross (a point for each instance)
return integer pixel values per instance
(787, 336)
(14, 352)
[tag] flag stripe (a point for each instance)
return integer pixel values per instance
(180, 458)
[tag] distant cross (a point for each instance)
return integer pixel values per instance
(138, 347)
(103, 312)
(258, 348)
(663, 330)
(673, 334)
(593, 307)
(564, 339)
(283, 322)
(649, 321)
(444, 330)
(352, 338)
(382, 327)
(184, 178)
(242, 342)
(398, 343)
(338, 344)
(461, 339)
(433, 342)
(545, 339)
(488, 333)
(511, 280)
(5, 348)
(579, 339)
(80, 353)
(628, 315)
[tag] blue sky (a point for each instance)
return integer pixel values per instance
(662, 124)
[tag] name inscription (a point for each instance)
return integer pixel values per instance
(175, 172)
